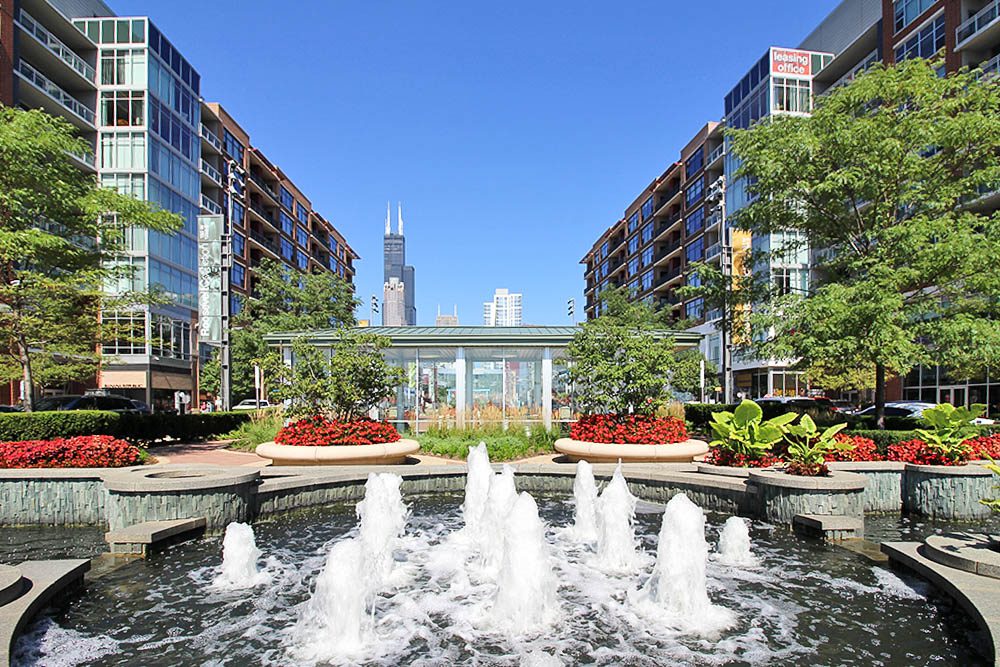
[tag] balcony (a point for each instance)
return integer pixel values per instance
(713, 219)
(262, 212)
(979, 28)
(260, 183)
(264, 241)
(211, 172)
(668, 197)
(717, 154)
(991, 67)
(211, 139)
(81, 116)
(210, 205)
(667, 251)
(56, 47)
(713, 251)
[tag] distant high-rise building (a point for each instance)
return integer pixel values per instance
(446, 320)
(503, 311)
(394, 304)
(396, 268)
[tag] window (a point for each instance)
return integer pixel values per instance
(792, 95)
(633, 245)
(647, 280)
(232, 146)
(925, 43)
(123, 67)
(122, 108)
(287, 224)
(238, 275)
(301, 260)
(695, 162)
(633, 286)
(695, 191)
(695, 308)
(123, 151)
(239, 213)
(696, 250)
(647, 256)
(334, 266)
(908, 11)
(633, 266)
(170, 337)
(647, 209)
(647, 233)
(239, 244)
(126, 332)
(286, 199)
(169, 126)
(694, 221)
(633, 222)
(286, 249)
(302, 236)
(787, 280)
(302, 213)
(604, 249)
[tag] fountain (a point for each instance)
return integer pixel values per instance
(477, 489)
(499, 502)
(615, 508)
(678, 585)
(734, 544)
(585, 496)
(239, 559)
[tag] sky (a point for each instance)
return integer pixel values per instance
(514, 133)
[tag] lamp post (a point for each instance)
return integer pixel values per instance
(234, 186)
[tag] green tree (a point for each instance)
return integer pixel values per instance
(284, 300)
(881, 184)
(62, 242)
(344, 385)
(686, 372)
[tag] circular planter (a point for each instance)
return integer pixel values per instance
(336, 455)
(780, 496)
(947, 492)
(601, 452)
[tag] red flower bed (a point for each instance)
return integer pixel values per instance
(725, 457)
(629, 429)
(319, 431)
(917, 451)
(85, 451)
(983, 446)
(864, 449)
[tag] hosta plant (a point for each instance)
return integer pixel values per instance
(949, 429)
(808, 447)
(745, 434)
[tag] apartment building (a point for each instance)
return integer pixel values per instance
(504, 310)
(137, 101)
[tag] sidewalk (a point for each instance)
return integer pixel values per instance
(212, 452)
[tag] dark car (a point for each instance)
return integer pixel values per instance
(10, 408)
(110, 403)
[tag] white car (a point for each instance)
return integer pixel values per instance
(250, 404)
(912, 410)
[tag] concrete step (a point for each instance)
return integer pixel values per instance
(833, 527)
(141, 538)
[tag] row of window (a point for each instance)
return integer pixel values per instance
(234, 149)
(179, 286)
(792, 95)
(123, 67)
(169, 337)
(171, 200)
(172, 93)
(123, 108)
(925, 43)
(126, 332)
(172, 169)
(113, 31)
(169, 126)
(906, 12)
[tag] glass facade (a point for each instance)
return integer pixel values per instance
(906, 12)
(925, 43)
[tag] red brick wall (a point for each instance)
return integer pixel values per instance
(952, 17)
(7, 52)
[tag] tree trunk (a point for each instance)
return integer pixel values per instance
(879, 396)
(26, 378)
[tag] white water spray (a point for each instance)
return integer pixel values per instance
(734, 544)
(499, 502)
(678, 585)
(239, 559)
(477, 489)
(615, 509)
(585, 497)
(337, 621)
(525, 598)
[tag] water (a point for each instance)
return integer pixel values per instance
(585, 503)
(616, 543)
(239, 559)
(734, 544)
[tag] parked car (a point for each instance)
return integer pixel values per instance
(910, 410)
(251, 404)
(789, 401)
(11, 408)
(108, 402)
(835, 405)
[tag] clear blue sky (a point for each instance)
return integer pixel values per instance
(514, 133)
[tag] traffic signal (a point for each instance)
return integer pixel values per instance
(571, 307)
(374, 303)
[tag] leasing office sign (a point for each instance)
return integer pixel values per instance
(791, 62)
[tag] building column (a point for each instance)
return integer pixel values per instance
(547, 388)
(460, 388)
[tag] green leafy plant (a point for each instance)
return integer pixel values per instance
(746, 433)
(949, 428)
(993, 503)
(515, 442)
(808, 446)
(262, 427)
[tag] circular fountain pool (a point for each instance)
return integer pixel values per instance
(448, 597)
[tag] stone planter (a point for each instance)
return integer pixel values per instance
(947, 492)
(781, 496)
(725, 471)
(335, 455)
(599, 452)
(884, 491)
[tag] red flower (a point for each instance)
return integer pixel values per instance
(629, 429)
(318, 431)
(917, 451)
(85, 451)
(864, 449)
(983, 446)
(726, 457)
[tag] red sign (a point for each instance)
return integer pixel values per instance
(789, 62)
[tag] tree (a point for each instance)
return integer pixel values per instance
(343, 385)
(62, 241)
(284, 300)
(686, 372)
(880, 184)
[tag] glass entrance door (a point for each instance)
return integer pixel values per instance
(954, 395)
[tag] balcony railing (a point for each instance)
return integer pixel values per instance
(716, 154)
(211, 172)
(53, 44)
(992, 66)
(263, 185)
(55, 92)
(264, 241)
(713, 220)
(210, 205)
(713, 250)
(262, 212)
(980, 20)
(210, 137)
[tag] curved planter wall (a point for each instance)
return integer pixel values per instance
(884, 490)
(947, 492)
(599, 452)
(388, 453)
(781, 496)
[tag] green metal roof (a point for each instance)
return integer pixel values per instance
(465, 336)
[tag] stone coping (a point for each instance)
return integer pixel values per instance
(967, 470)
(56, 473)
(176, 478)
(382, 453)
(11, 584)
(830, 522)
(724, 471)
(978, 595)
(867, 466)
(611, 452)
(835, 481)
(964, 551)
(150, 532)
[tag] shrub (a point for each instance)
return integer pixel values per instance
(263, 426)
(133, 427)
(319, 431)
(87, 451)
(882, 439)
(165, 425)
(516, 442)
(949, 428)
(700, 414)
(745, 432)
(721, 456)
(629, 429)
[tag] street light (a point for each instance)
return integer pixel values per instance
(234, 183)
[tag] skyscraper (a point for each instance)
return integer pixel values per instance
(446, 320)
(396, 269)
(503, 311)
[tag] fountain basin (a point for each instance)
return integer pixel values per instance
(294, 455)
(601, 452)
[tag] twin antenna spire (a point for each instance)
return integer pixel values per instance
(388, 215)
